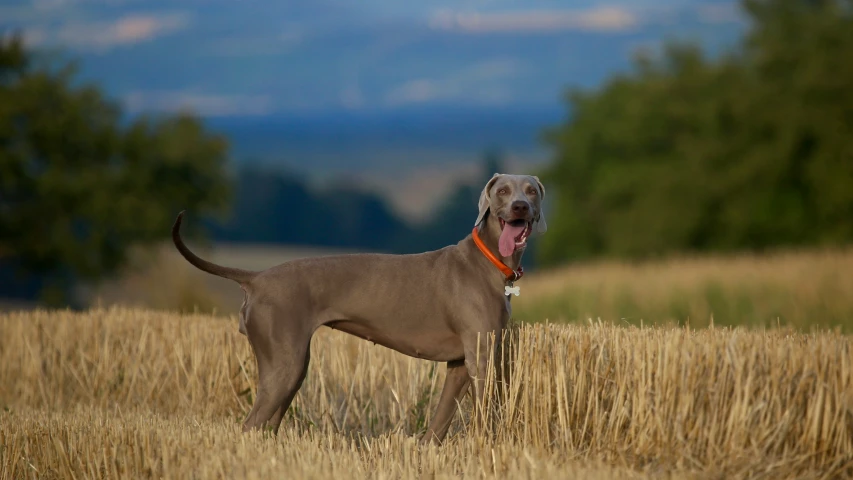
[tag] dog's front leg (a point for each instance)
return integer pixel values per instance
(480, 355)
(456, 383)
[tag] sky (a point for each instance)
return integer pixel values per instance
(256, 58)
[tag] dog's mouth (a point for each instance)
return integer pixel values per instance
(513, 235)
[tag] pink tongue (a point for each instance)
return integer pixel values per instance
(506, 244)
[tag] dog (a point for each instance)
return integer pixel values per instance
(436, 305)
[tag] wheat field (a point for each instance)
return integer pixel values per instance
(135, 393)
(800, 289)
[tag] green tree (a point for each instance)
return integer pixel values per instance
(79, 184)
(747, 151)
(800, 51)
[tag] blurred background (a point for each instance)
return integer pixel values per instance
(697, 154)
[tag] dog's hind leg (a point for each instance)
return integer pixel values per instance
(275, 422)
(277, 385)
(282, 353)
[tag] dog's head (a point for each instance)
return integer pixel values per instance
(515, 202)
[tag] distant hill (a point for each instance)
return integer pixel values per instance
(319, 144)
(410, 157)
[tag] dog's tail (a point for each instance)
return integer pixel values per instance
(236, 274)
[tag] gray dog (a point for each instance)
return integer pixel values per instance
(433, 305)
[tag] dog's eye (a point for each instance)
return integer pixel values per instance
(532, 192)
(502, 191)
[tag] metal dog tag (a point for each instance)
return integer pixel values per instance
(509, 290)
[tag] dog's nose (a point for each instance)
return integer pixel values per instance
(520, 208)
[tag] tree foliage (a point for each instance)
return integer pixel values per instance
(747, 151)
(278, 207)
(79, 184)
(275, 207)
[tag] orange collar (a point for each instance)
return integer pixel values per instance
(511, 275)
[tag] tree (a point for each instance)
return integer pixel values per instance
(747, 151)
(79, 186)
(801, 51)
(279, 207)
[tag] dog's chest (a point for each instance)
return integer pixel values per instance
(507, 305)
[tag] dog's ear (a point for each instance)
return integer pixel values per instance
(484, 199)
(539, 223)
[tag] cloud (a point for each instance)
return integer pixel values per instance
(204, 104)
(352, 97)
(649, 47)
(49, 5)
(417, 91)
(483, 82)
(35, 36)
(16, 14)
(101, 36)
(715, 13)
(260, 44)
(603, 19)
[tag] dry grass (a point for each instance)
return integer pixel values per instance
(139, 393)
(797, 289)
(161, 279)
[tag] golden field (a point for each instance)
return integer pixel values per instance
(136, 393)
(798, 289)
